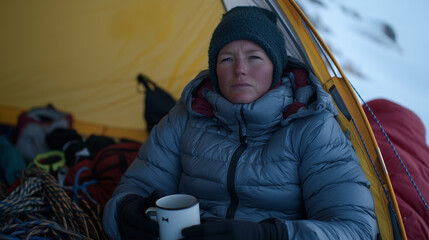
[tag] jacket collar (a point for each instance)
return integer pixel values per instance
(299, 94)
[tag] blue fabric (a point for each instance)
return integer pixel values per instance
(11, 162)
(301, 170)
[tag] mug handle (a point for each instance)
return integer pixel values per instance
(151, 213)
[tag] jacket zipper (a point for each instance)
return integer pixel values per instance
(232, 208)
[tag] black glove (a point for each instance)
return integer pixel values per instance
(235, 229)
(132, 220)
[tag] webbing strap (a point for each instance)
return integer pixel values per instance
(340, 102)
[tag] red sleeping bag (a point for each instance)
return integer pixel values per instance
(407, 134)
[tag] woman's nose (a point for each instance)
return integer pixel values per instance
(239, 67)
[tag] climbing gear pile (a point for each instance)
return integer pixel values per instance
(40, 209)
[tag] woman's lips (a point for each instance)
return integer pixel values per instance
(241, 85)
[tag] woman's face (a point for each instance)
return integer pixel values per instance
(244, 71)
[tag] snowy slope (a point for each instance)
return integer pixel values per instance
(381, 45)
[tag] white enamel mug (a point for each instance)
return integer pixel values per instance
(174, 213)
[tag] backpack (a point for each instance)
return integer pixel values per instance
(157, 102)
(34, 125)
(95, 179)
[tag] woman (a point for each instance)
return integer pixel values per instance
(256, 141)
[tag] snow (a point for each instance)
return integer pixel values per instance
(375, 64)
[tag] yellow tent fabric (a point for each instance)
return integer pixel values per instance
(84, 57)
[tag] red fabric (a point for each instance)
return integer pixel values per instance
(24, 119)
(293, 108)
(407, 133)
(106, 168)
(300, 76)
(199, 103)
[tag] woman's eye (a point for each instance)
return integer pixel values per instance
(254, 57)
(225, 60)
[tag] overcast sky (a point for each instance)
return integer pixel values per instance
(396, 70)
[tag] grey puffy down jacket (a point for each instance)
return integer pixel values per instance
(272, 158)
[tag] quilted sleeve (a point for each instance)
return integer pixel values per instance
(337, 199)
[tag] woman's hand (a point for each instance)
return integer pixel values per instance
(132, 220)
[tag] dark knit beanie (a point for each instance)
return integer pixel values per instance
(254, 24)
